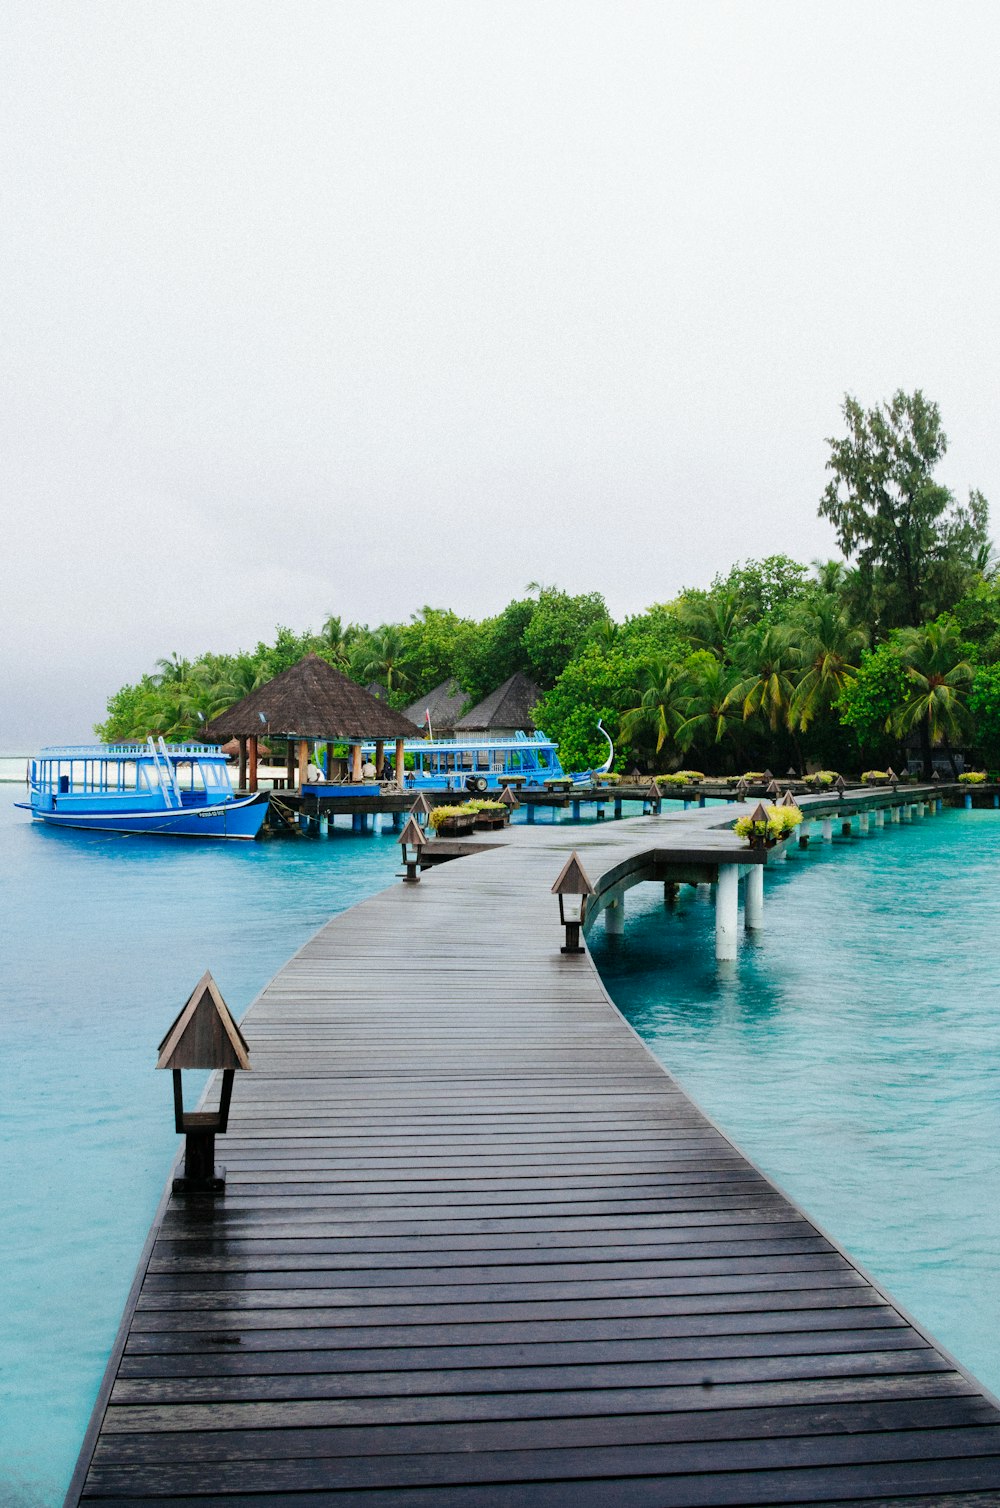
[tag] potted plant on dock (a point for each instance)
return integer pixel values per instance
(452, 821)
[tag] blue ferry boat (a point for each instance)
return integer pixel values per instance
(168, 790)
(488, 763)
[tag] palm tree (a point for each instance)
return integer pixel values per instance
(381, 657)
(662, 705)
(938, 672)
(767, 659)
(710, 621)
(334, 641)
(711, 714)
(172, 670)
(829, 648)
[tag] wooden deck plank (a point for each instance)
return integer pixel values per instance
(477, 1250)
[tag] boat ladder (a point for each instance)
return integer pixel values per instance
(167, 778)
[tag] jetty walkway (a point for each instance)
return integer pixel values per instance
(478, 1250)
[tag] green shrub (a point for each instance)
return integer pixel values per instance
(973, 777)
(874, 774)
(781, 820)
(823, 777)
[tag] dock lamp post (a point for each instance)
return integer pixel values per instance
(411, 841)
(893, 777)
(421, 809)
(572, 887)
(741, 789)
(509, 800)
(204, 1035)
(840, 786)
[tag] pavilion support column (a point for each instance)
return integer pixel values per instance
(400, 764)
(355, 762)
(753, 901)
(303, 761)
(290, 764)
(727, 912)
(242, 780)
(379, 757)
(252, 763)
(827, 829)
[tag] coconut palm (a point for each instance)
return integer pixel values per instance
(711, 621)
(380, 659)
(767, 660)
(663, 703)
(938, 674)
(334, 641)
(711, 715)
(172, 670)
(829, 647)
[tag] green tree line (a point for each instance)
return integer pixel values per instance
(844, 663)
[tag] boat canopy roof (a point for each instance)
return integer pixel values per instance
(176, 752)
(482, 741)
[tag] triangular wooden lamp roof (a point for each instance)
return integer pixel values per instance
(572, 878)
(204, 1035)
(412, 834)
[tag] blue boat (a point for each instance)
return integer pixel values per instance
(166, 790)
(488, 763)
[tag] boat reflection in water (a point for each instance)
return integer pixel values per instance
(167, 790)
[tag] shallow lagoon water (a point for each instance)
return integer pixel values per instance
(853, 1052)
(102, 938)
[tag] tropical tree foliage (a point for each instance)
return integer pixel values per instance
(847, 663)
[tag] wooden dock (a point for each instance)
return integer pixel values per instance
(477, 1250)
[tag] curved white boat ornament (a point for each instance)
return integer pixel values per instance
(606, 766)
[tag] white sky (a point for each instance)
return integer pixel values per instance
(351, 307)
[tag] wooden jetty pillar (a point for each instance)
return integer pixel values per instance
(727, 912)
(576, 811)
(880, 816)
(614, 915)
(827, 829)
(895, 816)
(753, 901)
(845, 828)
(618, 806)
(805, 831)
(252, 763)
(906, 812)
(242, 778)
(863, 822)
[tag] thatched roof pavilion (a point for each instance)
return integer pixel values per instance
(505, 710)
(444, 704)
(308, 701)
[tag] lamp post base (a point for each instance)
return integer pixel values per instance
(216, 1184)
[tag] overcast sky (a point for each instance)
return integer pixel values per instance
(328, 307)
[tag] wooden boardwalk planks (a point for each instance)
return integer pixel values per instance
(477, 1249)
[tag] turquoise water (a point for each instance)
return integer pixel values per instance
(854, 1051)
(101, 941)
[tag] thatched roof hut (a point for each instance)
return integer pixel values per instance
(310, 700)
(444, 705)
(504, 711)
